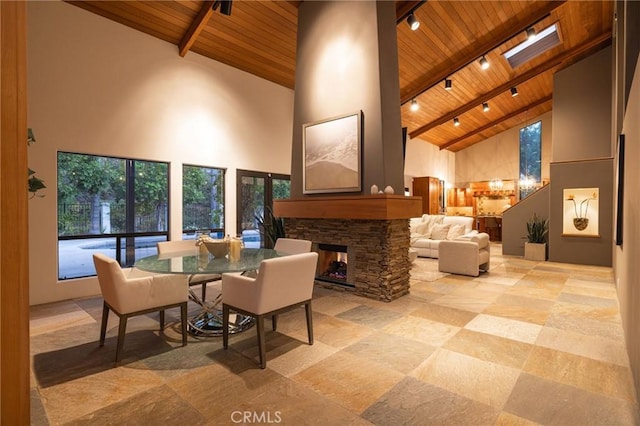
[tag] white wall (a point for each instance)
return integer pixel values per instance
(99, 87)
(425, 159)
(499, 156)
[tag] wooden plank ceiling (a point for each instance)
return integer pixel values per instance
(259, 37)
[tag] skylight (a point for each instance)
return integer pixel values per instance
(529, 49)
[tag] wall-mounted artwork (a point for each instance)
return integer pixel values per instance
(331, 150)
(580, 212)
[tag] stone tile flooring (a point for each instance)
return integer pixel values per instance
(526, 343)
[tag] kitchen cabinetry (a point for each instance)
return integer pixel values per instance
(492, 225)
(432, 193)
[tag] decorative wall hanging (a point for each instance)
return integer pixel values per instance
(580, 212)
(331, 151)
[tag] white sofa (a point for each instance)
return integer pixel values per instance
(426, 236)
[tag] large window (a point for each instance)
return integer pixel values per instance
(115, 206)
(202, 201)
(530, 158)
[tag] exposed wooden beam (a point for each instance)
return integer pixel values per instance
(404, 8)
(496, 122)
(545, 66)
(14, 213)
(198, 24)
(477, 51)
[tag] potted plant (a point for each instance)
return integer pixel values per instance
(272, 227)
(536, 246)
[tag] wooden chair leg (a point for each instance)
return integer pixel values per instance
(274, 322)
(162, 319)
(121, 332)
(225, 326)
(204, 291)
(261, 343)
(183, 320)
(103, 327)
(307, 309)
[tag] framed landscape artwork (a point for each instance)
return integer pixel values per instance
(331, 154)
(580, 212)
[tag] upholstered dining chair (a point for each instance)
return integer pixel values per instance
(174, 246)
(292, 245)
(129, 296)
(283, 283)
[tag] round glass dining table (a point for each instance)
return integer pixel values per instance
(208, 321)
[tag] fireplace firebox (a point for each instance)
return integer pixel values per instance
(333, 264)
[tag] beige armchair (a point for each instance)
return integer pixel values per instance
(130, 296)
(292, 246)
(282, 284)
(175, 246)
(465, 256)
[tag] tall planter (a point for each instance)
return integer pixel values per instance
(535, 251)
(536, 246)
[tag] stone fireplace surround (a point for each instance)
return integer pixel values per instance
(375, 230)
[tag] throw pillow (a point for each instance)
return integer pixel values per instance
(424, 229)
(455, 231)
(440, 231)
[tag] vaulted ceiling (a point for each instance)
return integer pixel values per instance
(259, 37)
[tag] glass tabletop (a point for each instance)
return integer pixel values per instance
(190, 262)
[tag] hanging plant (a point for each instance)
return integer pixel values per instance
(35, 183)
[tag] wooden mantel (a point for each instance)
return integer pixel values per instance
(371, 207)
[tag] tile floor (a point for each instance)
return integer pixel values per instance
(527, 343)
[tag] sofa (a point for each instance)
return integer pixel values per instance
(465, 256)
(428, 231)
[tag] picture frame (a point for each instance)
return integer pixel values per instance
(620, 191)
(580, 212)
(331, 154)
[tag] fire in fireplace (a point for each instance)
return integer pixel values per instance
(332, 264)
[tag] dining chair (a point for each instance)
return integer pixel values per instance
(137, 294)
(282, 284)
(175, 246)
(292, 245)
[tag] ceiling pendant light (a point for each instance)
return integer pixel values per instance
(485, 106)
(413, 23)
(531, 33)
(448, 84)
(514, 91)
(456, 122)
(414, 105)
(484, 64)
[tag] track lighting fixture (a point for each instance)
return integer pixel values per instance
(484, 64)
(531, 33)
(485, 106)
(447, 84)
(225, 6)
(514, 91)
(456, 122)
(413, 23)
(414, 105)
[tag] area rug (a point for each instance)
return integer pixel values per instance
(426, 269)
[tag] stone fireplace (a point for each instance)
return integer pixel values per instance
(369, 234)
